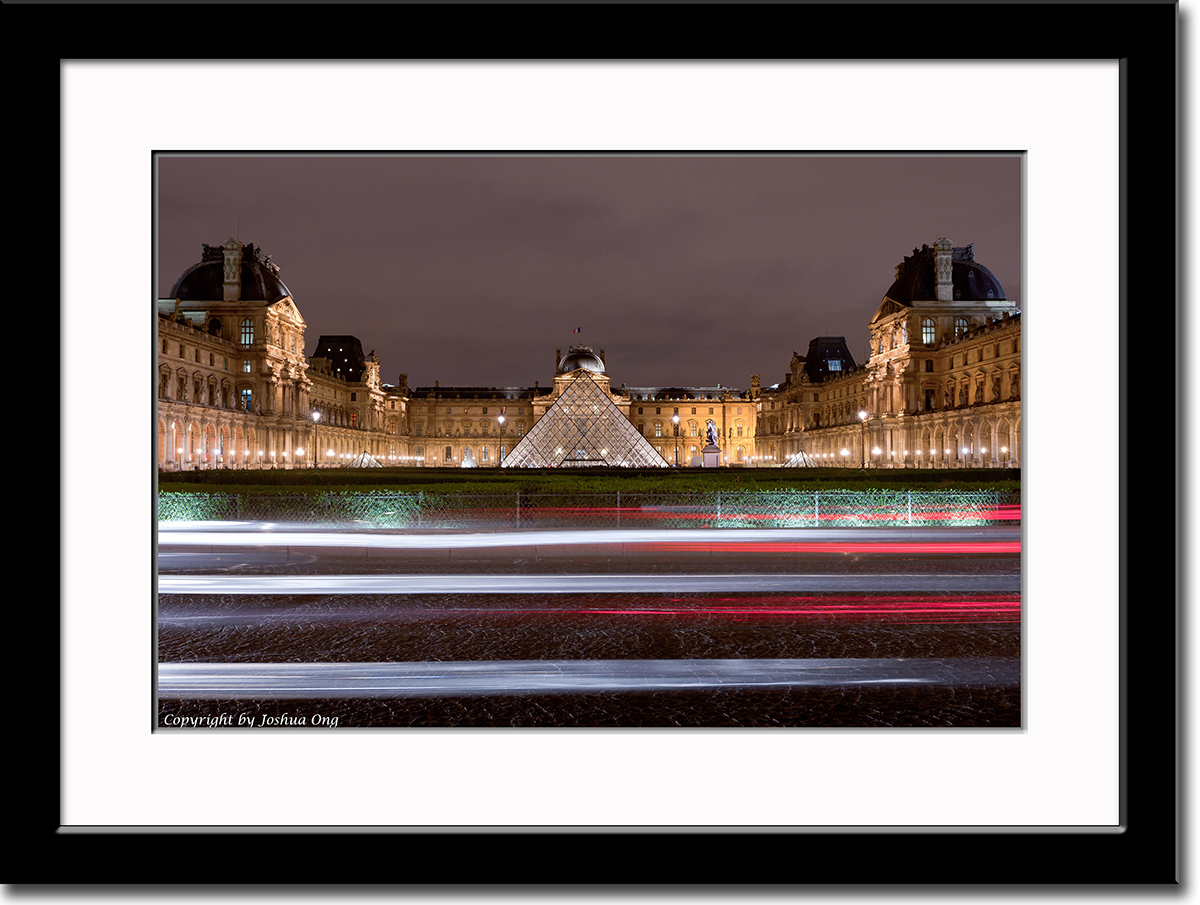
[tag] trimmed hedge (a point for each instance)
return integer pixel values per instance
(488, 481)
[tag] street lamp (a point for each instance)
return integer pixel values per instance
(675, 422)
(316, 446)
(862, 416)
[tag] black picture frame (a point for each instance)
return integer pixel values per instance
(1143, 851)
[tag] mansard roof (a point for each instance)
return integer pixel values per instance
(916, 281)
(204, 282)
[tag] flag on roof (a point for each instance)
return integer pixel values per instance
(577, 330)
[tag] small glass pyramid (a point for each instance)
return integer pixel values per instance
(583, 427)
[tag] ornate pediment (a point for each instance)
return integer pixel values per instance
(887, 308)
(285, 307)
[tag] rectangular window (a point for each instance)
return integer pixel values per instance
(246, 398)
(246, 366)
(835, 364)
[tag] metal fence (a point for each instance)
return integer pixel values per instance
(527, 511)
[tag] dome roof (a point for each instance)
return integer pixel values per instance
(204, 282)
(581, 357)
(915, 280)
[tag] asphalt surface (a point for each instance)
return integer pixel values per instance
(753, 629)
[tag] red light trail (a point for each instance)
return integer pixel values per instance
(1002, 608)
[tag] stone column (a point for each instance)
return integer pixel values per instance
(944, 270)
(232, 284)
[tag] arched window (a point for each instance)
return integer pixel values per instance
(960, 326)
(247, 332)
(928, 331)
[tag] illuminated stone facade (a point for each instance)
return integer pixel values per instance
(940, 389)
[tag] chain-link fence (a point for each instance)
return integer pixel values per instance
(526, 511)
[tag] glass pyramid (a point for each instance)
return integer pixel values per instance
(583, 427)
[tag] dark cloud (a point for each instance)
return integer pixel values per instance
(687, 270)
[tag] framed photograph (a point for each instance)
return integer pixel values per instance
(1082, 792)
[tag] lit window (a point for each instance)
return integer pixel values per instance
(247, 332)
(245, 365)
(246, 397)
(835, 364)
(960, 326)
(928, 331)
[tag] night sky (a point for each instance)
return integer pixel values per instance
(472, 271)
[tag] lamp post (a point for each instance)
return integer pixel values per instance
(675, 422)
(862, 417)
(316, 446)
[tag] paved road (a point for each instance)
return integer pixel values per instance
(229, 681)
(261, 585)
(843, 627)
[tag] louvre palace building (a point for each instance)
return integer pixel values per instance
(941, 389)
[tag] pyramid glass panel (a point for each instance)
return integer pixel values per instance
(583, 427)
